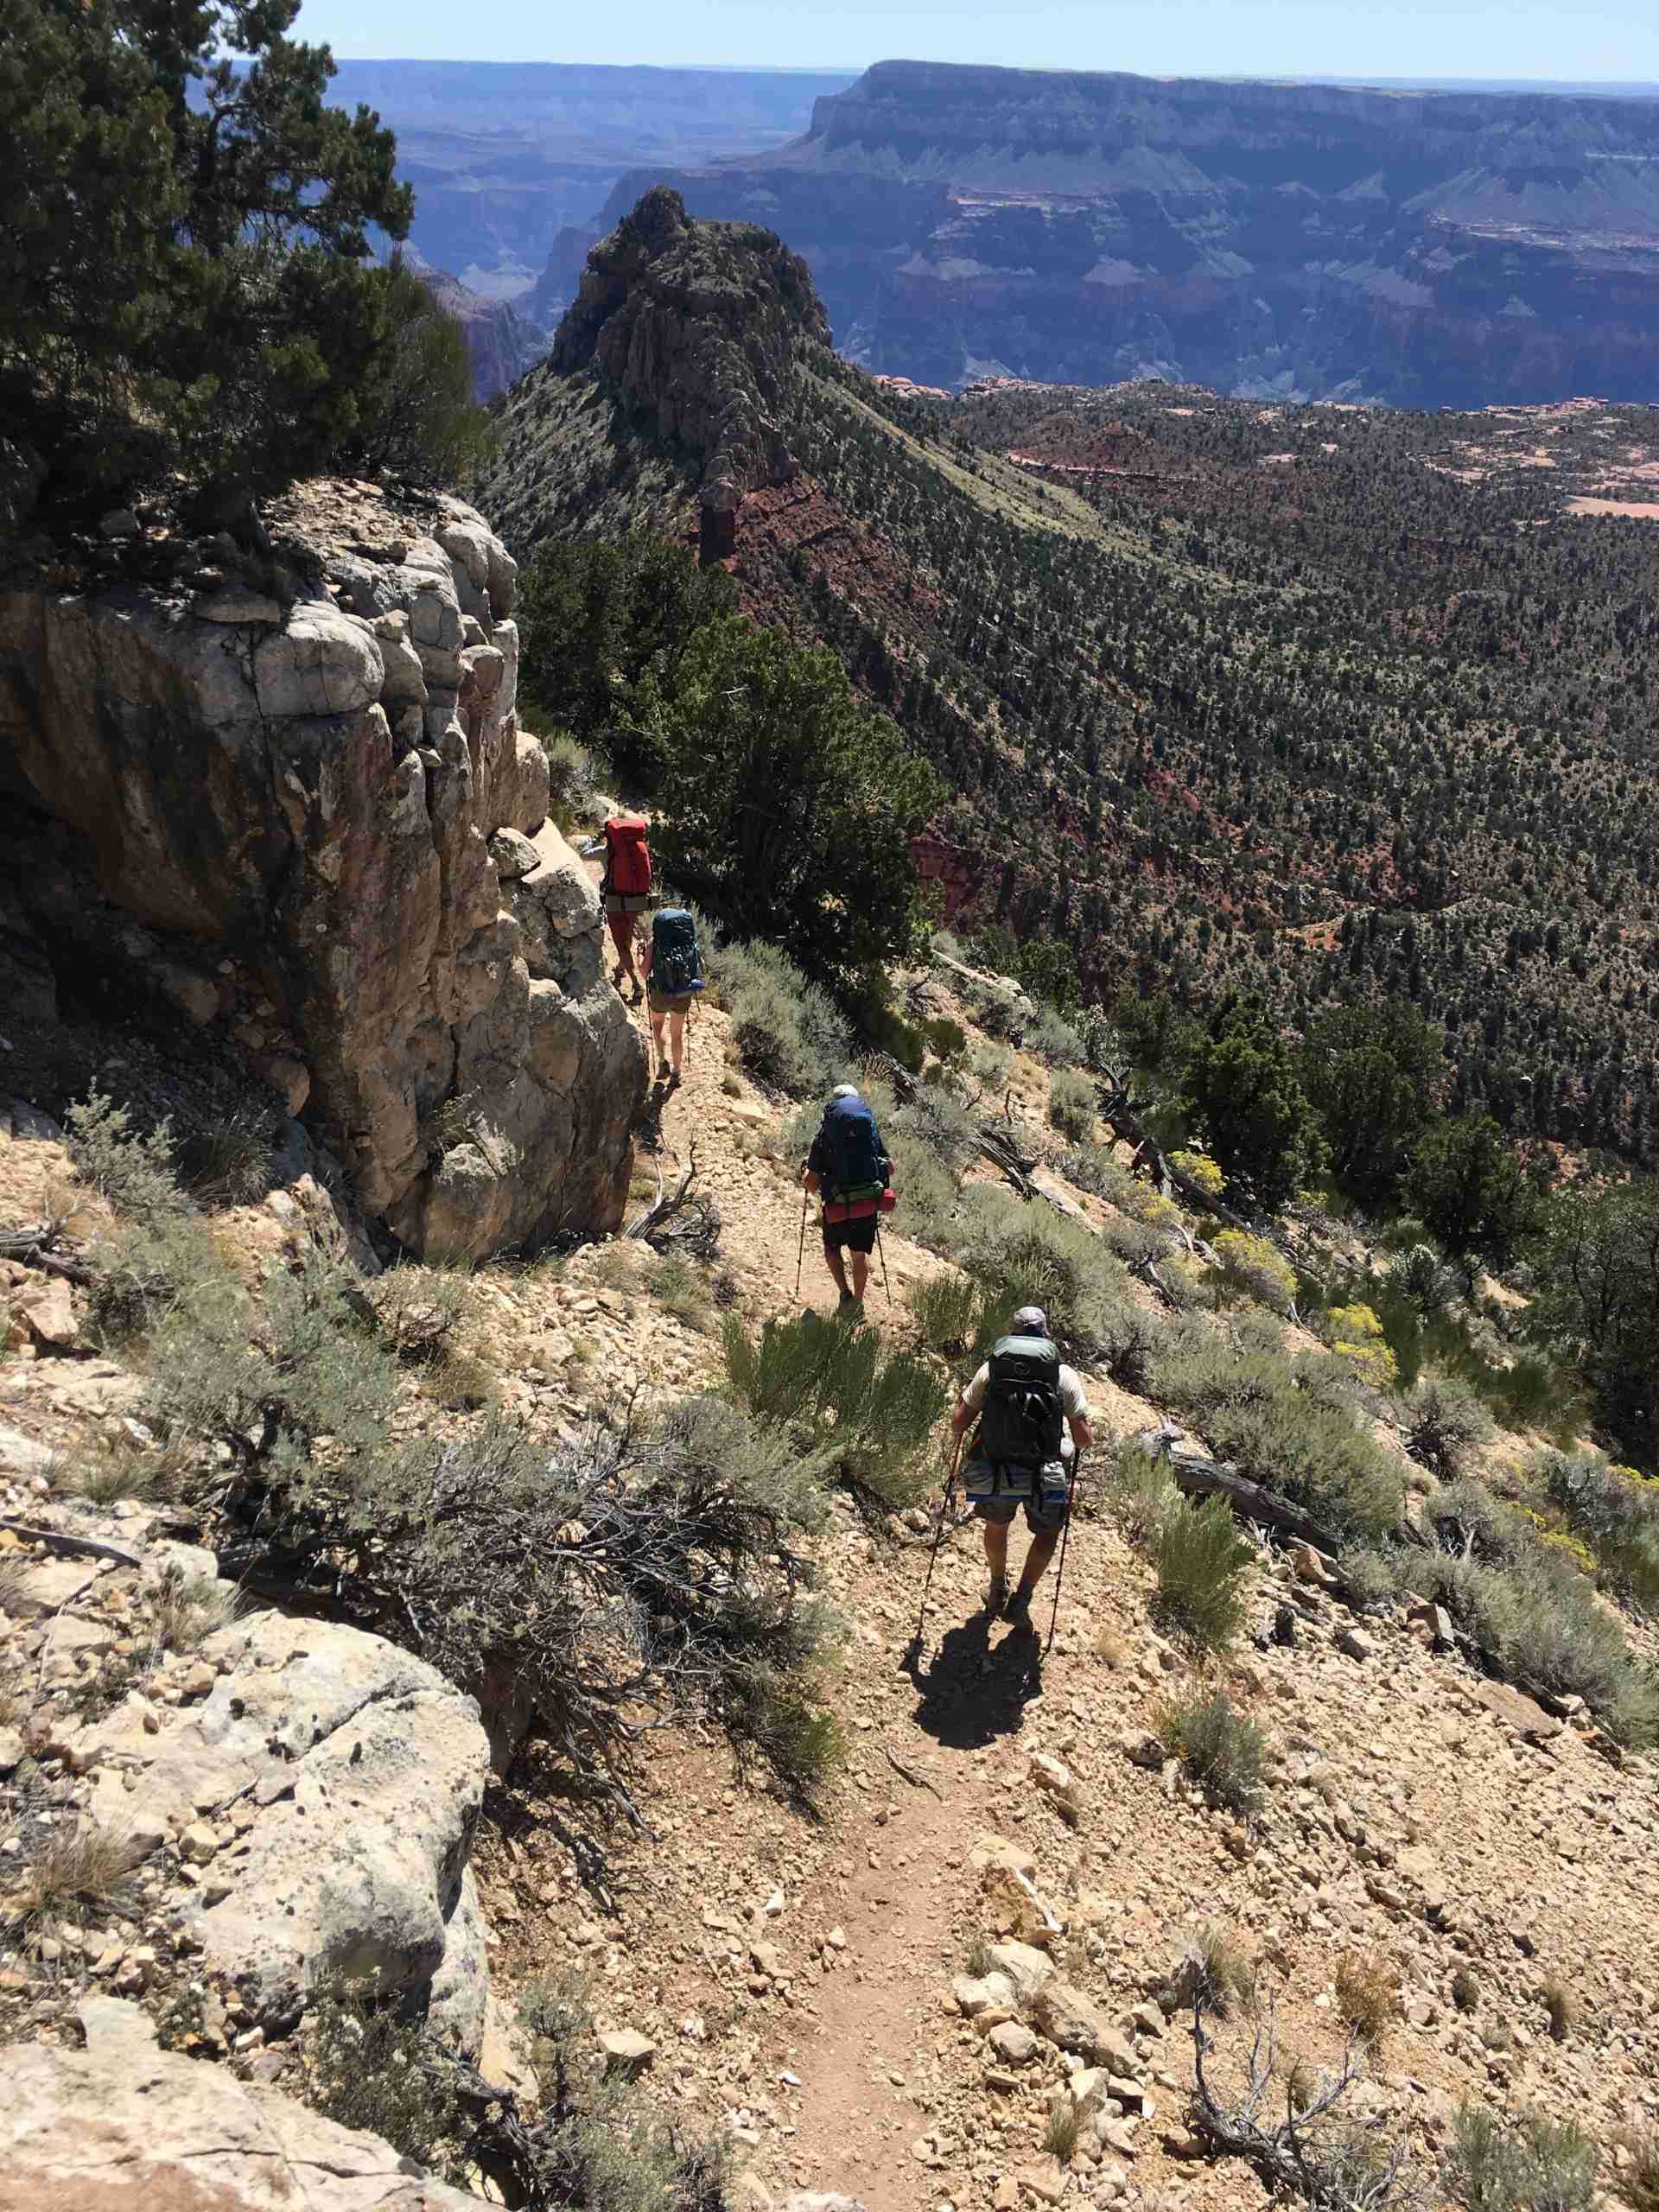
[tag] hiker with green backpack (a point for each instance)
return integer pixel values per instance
(1033, 1419)
(850, 1167)
(673, 970)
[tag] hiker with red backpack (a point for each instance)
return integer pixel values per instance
(850, 1167)
(625, 889)
(1033, 1421)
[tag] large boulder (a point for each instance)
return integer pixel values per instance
(124, 2127)
(340, 1780)
(312, 798)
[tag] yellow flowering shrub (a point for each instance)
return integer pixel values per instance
(1251, 1268)
(1199, 1168)
(1356, 1337)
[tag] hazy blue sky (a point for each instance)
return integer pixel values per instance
(1319, 38)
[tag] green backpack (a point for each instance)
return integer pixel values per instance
(1023, 1420)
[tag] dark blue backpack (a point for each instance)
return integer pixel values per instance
(855, 1164)
(676, 964)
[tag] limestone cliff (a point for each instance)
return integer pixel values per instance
(301, 775)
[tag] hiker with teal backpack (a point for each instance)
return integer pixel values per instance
(1034, 1420)
(673, 968)
(850, 1167)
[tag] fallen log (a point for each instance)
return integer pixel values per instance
(1118, 1111)
(1197, 1475)
(68, 1546)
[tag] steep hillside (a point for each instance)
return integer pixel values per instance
(963, 1967)
(1231, 694)
(1296, 241)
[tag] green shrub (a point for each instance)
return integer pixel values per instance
(788, 1032)
(225, 1165)
(367, 2067)
(134, 1173)
(1071, 1105)
(573, 777)
(1445, 1426)
(681, 1288)
(1518, 2162)
(946, 1307)
(1031, 1255)
(1616, 1511)
(1222, 1751)
(600, 2143)
(1252, 1410)
(1218, 1972)
(1424, 1277)
(864, 1416)
(1053, 1039)
(1137, 1492)
(1128, 1340)
(1533, 1614)
(1202, 1564)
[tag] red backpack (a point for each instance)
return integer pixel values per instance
(627, 871)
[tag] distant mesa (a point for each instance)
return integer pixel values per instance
(1268, 240)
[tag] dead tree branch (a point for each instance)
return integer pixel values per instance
(1336, 2162)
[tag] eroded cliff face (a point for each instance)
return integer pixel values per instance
(1431, 249)
(308, 769)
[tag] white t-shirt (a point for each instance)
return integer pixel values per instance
(1076, 1406)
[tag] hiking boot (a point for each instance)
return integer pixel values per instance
(996, 1595)
(662, 1073)
(1019, 1606)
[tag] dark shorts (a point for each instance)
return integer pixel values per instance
(996, 1494)
(626, 902)
(851, 1236)
(668, 1002)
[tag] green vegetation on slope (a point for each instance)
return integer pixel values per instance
(187, 281)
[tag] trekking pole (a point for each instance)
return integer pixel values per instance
(800, 1257)
(882, 1250)
(1065, 1538)
(938, 1535)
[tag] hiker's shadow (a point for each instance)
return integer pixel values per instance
(971, 1693)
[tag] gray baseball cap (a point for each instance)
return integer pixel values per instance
(845, 1091)
(1030, 1321)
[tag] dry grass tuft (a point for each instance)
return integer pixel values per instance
(1064, 2128)
(83, 1866)
(1561, 2008)
(1365, 1998)
(189, 1608)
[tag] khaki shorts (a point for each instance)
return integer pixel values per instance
(997, 1493)
(670, 1002)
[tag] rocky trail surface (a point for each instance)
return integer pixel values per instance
(985, 1918)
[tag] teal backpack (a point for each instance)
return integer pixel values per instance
(676, 964)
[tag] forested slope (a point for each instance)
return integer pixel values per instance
(1310, 700)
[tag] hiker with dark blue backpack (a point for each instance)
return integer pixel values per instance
(1032, 1421)
(673, 969)
(850, 1167)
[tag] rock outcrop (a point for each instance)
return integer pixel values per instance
(696, 332)
(123, 2124)
(300, 768)
(1424, 249)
